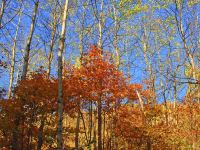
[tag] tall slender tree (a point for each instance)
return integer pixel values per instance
(3, 4)
(53, 38)
(29, 40)
(60, 68)
(12, 67)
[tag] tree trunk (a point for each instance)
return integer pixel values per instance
(12, 68)
(78, 103)
(140, 101)
(94, 131)
(40, 134)
(53, 33)
(29, 40)
(99, 125)
(90, 124)
(60, 66)
(144, 118)
(166, 112)
(84, 126)
(15, 134)
(104, 129)
(148, 63)
(50, 57)
(3, 4)
(77, 131)
(148, 144)
(115, 42)
(100, 24)
(179, 23)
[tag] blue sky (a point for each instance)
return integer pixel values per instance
(136, 56)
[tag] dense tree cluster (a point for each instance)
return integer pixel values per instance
(99, 74)
(96, 93)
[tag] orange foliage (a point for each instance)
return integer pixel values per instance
(99, 78)
(99, 82)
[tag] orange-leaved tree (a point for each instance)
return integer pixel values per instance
(35, 98)
(102, 82)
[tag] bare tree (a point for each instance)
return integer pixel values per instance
(29, 40)
(12, 68)
(52, 42)
(3, 4)
(60, 68)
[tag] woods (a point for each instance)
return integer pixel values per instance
(99, 74)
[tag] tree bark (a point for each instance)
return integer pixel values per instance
(99, 125)
(29, 40)
(94, 131)
(60, 66)
(15, 134)
(90, 124)
(3, 4)
(115, 42)
(104, 130)
(79, 103)
(77, 131)
(53, 33)
(84, 126)
(179, 23)
(12, 68)
(148, 62)
(144, 118)
(40, 134)
(100, 24)
(148, 144)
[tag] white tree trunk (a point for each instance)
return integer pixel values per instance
(12, 68)
(60, 66)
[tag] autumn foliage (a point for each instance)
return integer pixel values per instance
(114, 113)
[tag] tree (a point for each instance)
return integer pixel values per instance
(93, 102)
(2, 11)
(29, 40)
(60, 65)
(12, 68)
(105, 84)
(53, 36)
(33, 101)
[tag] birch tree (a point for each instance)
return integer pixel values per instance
(60, 68)
(12, 67)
